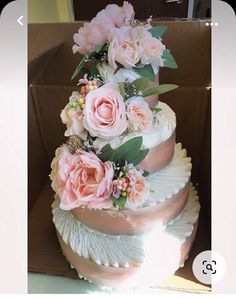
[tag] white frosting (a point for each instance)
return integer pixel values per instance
(118, 251)
(169, 181)
(161, 130)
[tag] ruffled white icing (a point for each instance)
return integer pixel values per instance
(161, 130)
(182, 226)
(118, 251)
(107, 250)
(169, 181)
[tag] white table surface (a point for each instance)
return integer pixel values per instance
(48, 284)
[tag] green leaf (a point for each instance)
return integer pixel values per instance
(106, 153)
(128, 151)
(94, 70)
(156, 109)
(122, 89)
(160, 89)
(169, 60)
(98, 48)
(157, 31)
(73, 105)
(140, 157)
(146, 71)
(141, 83)
(79, 67)
(119, 202)
(145, 173)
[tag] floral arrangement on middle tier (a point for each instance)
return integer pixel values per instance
(83, 175)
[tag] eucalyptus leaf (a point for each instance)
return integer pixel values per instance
(156, 109)
(119, 202)
(157, 31)
(106, 153)
(79, 67)
(98, 48)
(145, 173)
(122, 89)
(94, 70)
(146, 71)
(140, 157)
(128, 151)
(159, 89)
(141, 83)
(169, 60)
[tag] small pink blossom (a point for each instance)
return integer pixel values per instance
(152, 47)
(139, 188)
(139, 115)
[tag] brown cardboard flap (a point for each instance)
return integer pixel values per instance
(49, 101)
(188, 41)
(191, 106)
(38, 163)
(38, 63)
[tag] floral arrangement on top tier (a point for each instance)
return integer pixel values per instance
(102, 109)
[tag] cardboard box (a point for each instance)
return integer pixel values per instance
(51, 64)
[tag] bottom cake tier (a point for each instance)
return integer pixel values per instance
(127, 261)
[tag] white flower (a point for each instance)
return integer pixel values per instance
(72, 117)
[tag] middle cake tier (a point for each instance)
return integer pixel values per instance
(169, 189)
(160, 140)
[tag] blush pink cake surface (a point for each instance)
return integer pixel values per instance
(125, 211)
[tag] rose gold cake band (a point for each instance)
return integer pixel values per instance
(111, 276)
(133, 221)
(159, 156)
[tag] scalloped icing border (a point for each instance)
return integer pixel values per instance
(122, 250)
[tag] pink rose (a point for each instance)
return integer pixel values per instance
(124, 47)
(139, 115)
(104, 112)
(128, 12)
(92, 34)
(73, 117)
(152, 47)
(82, 179)
(97, 31)
(115, 13)
(138, 189)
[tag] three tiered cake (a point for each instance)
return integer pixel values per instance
(125, 211)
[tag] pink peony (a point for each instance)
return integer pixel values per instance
(61, 154)
(97, 31)
(128, 12)
(73, 117)
(104, 113)
(124, 48)
(138, 188)
(81, 179)
(152, 47)
(139, 115)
